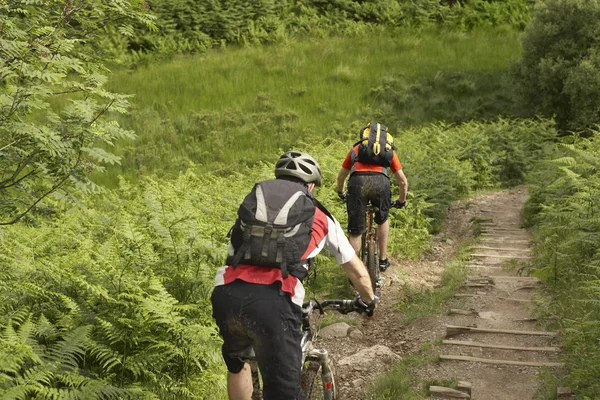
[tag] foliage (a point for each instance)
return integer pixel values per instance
(52, 101)
(451, 97)
(187, 26)
(445, 162)
(563, 210)
(115, 298)
(559, 73)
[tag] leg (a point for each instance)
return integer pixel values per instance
(355, 241)
(356, 208)
(227, 311)
(239, 386)
(383, 201)
(276, 338)
(382, 237)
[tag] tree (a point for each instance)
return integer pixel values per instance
(53, 107)
(559, 73)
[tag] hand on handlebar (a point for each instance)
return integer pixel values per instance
(363, 307)
(398, 204)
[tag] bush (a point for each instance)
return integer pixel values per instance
(559, 73)
(188, 26)
(563, 209)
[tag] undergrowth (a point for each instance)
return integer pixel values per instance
(415, 304)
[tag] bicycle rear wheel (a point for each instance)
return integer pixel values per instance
(372, 263)
(319, 385)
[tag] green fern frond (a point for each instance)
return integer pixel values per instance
(568, 161)
(20, 392)
(71, 349)
(113, 334)
(106, 357)
(37, 375)
(45, 330)
(69, 303)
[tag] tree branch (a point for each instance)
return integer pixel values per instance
(102, 112)
(8, 145)
(52, 189)
(20, 168)
(5, 184)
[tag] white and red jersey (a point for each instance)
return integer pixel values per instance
(326, 233)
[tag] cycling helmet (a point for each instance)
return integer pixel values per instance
(299, 165)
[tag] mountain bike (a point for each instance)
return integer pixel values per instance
(369, 249)
(318, 372)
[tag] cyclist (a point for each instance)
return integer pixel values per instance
(369, 181)
(258, 295)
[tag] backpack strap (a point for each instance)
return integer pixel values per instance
(280, 256)
(267, 230)
(322, 208)
(244, 249)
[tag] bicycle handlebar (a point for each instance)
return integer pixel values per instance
(342, 306)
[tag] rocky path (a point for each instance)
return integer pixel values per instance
(493, 341)
(487, 338)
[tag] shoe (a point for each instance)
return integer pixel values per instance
(379, 283)
(383, 265)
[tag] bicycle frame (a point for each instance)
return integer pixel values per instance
(313, 359)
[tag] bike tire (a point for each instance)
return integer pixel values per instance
(312, 382)
(372, 263)
(256, 383)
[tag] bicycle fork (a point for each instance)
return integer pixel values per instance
(321, 356)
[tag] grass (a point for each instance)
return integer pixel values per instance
(415, 304)
(399, 382)
(225, 109)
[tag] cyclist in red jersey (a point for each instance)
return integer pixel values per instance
(260, 305)
(370, 181)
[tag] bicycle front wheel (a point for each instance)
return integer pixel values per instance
(319, 383)
(372, 263)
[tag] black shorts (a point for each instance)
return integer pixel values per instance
(363, 188)
(264, 317)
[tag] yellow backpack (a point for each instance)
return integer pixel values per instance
(376, 145)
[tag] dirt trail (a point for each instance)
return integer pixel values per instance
(499, 365)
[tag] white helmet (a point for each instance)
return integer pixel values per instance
(299, 165)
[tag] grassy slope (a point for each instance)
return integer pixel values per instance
(211, 108)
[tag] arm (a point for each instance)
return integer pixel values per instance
(341, 179)
(402, 184)
(358, 275)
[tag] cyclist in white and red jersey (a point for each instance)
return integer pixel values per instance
(260, 305)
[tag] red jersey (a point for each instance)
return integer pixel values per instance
(351, 162)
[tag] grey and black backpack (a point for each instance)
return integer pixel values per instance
(273, 228)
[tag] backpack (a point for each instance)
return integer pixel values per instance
(273, 228)
(376, 146)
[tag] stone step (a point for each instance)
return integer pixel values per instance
(452, 330)
(502, 362)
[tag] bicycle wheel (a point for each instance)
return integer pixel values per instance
(256, 384)
(315, 384)
(372, 263)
